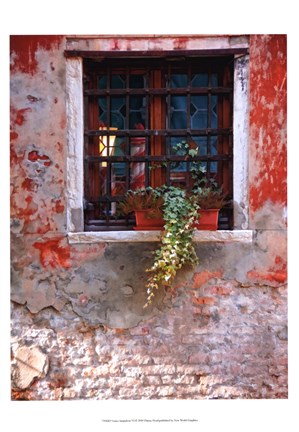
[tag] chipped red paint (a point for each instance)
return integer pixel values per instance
(268, 148)
(15, 159)
(13, 135)
(218, 290)
(18, 116)
(58, 207)
(24, 213)
(34, 156)
(180, 43)
(53, 254)
(28, 184)
(115, 45)
(89, 252)
(203, 301)
(62, 122)
(274, 276)
(280, 262)
(23, 49)
(203, 277)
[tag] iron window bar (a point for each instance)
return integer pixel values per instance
(98, 205)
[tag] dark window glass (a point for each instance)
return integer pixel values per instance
(137, 112)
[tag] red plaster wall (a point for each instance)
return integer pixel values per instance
(24, 48)
(268, 111)
(223, 336)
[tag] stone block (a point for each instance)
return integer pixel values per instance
(29, 363)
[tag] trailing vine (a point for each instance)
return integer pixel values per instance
(179, 212)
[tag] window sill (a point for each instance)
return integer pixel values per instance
(243, 236)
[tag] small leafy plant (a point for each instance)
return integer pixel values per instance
(209, 195)
(143, 199)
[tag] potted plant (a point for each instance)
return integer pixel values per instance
(209, 196)
(210, 199)
(147, 204)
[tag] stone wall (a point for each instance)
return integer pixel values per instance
(77, 309)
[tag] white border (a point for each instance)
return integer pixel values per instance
(75, 173)
(244, 236)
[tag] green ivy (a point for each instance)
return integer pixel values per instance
(179, 212)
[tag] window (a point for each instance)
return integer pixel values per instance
(136, 112)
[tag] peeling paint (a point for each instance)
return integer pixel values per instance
(53, 254)
(268, 163)
(270, 276)
(19, 116)
(23, 50)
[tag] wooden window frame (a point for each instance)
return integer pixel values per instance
(156, 90)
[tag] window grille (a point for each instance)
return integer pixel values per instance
(136, 112)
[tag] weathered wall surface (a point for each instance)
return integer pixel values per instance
(268, 143)
(221, 333)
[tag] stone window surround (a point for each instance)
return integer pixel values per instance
(74, 110)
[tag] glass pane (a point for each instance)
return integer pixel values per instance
(202, 144)
(178, 80)
(200, 80)
(178, 174)
(214, 113)
(118, 81)
(118, 112)
(200, 102)
(213, 145)
(102, 109)
(213, 151)
(117, 102)
(118, 184)
(103, 178)
(178, 147)
(137, 112)
(102, 82)
(178, 110)
(137, 175)
(137, 81)
(213, 167)
(179, 103)
(199, 120)
(214, 80)
(178, 120)
(199, 112)
(111, 145)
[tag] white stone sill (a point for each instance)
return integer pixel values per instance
(243, 236)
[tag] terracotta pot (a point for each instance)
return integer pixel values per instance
(146, 222)
(208, 220)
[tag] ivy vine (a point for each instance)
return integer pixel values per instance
(180, 211)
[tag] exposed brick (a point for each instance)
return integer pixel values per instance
(218, 290)
(166, 391)
(152, 380)
(139, 359)
(140, 330)
(203, 300)
(203, 277)
(116, 382)
(162, 360)
(162, 369)
(199, 358)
